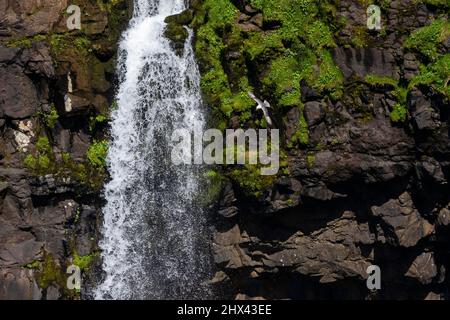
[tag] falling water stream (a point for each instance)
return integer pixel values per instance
(153, 244)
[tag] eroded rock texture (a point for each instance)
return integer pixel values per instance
(54, 84)
(363, 189)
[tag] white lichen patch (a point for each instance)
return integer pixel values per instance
(67, 99)
(24, 135)
(67, 103)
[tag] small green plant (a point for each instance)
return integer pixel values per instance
(94, 121)
(51, 118)
(398, 113)
(114, 105)
(77, 215)
(97, 153)
(211, 188)
(42, 162)
(43, 145)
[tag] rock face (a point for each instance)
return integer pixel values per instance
(49, 205)
(363, 188)
(365, 141)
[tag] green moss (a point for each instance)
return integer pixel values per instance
(30, 161)
(45, 162)
(375, 80)
(330, 77)
(359, 37)
(284, 78)
(49, 273)
(177, 33)
(398, 113)
(264, 45)
(251, 181)
(213, 184)
(114, 105)
(220, 12)
(35, 265)
(209, 48)
(301, 136)
(319, 35)
(427, 39)
(296, 51)
(436, 75)
(301, 41)
(83, 262)
(58, 43)
(310, 160)
(43, 145)
(26, 42)
(97, 153)
(41, 163)
(83, 44)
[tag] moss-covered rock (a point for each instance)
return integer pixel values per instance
(184, 18)
(177, 35)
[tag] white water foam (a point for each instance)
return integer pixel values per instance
(153, 231)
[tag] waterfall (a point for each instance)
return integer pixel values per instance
(153, 236)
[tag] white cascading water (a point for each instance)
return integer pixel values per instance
(153, 244)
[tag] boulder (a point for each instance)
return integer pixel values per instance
(18, 96)
(361, 62)
(18, 284)
(423, 268)
(402, 222)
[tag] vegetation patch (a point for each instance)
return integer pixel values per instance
(45, 162)
(83, 262)
(436, 75)
(251, 181)
(97, 153)
(426, 40)
(399, 111)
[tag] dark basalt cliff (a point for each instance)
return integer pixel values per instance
(364, 120)
(365, 148)
(55, 95)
